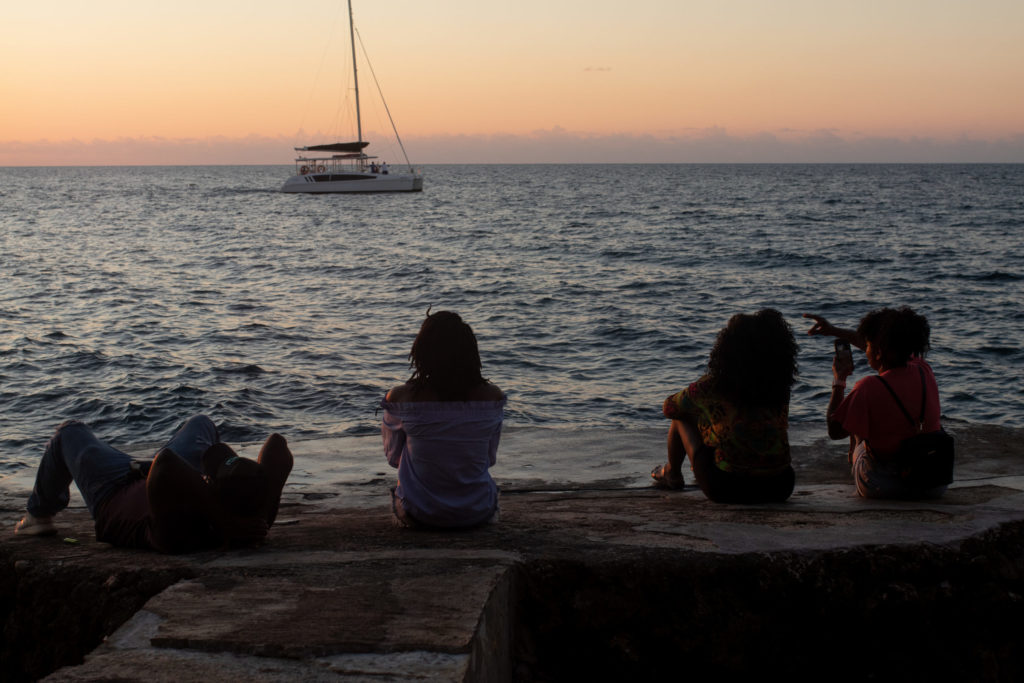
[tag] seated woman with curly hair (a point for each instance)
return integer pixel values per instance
(733, 421)
(441, 430)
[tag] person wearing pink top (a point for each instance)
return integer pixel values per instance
(441, 430)
(894, 342)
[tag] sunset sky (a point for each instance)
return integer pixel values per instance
(232, 81)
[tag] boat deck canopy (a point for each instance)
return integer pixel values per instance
(335, 147)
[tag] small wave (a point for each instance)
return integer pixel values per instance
(621, 333)
(1000, 350)
(796, 220)
(187, 391)
(411, 271)
(642, 285)
(240, 369)
(83, 360)
(995, 276)
(361, 430)
(244, 191)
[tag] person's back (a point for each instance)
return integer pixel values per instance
(748, 439)
(441, 430)
(732, 423)
(873, 414)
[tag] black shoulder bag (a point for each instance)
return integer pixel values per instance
(925, 460)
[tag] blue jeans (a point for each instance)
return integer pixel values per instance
(98, 469)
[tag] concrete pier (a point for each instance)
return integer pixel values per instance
(590, 572)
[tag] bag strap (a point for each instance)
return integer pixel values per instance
(924, 399)
(919, 424)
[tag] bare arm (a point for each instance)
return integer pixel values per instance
(175, 488)
(179, 504)
(182, 504)
(823, 327)
(840, 371)
(835, 429)
(399, 394)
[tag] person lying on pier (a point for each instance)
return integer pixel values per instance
(733, 422)
(883, 410)
(196, 494)
(441, 430)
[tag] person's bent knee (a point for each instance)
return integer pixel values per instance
(200, 419)
(70, 425)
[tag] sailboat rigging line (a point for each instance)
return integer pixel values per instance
(381, 93)
(334, 128)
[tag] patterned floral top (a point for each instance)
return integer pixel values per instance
(746, 440)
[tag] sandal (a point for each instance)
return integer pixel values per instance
(664, 479)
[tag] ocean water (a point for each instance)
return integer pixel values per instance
(133, 297)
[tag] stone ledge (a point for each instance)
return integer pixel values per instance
(598, 581)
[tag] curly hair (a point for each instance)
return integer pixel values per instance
(445, 358)
(753, 362)
(899, 334)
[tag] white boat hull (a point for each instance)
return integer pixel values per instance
(354, 182)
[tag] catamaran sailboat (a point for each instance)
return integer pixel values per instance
(345, 166)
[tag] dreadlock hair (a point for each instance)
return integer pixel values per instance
(445, 358)
(753, 362)
(899, 334)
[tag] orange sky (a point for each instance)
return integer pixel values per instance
(114, 70)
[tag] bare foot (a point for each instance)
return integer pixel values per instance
(666, 479)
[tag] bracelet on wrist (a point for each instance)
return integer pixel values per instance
(838, 385)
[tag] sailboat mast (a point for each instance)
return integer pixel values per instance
(355, 75)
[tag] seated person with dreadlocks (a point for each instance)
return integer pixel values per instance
(733, 422)
(441, 430)
(196, 495)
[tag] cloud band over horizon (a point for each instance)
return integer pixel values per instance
(712, 145)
